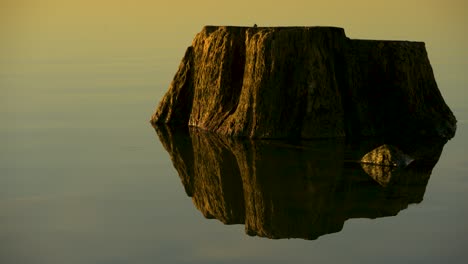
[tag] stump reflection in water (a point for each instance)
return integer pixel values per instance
(293, 189)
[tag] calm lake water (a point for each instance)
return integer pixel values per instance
(84, 177)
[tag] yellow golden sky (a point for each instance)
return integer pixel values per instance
(427, 20)
(162, 28)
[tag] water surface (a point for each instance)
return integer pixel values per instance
(84, 178)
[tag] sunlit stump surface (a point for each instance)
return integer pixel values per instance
(294, 189)
(304, 82)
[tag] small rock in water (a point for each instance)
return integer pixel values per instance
(381, 174)
(387, 155)
(382, 163)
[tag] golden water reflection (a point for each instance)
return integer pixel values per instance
(281, 189)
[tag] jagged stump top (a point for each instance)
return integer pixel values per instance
(304, 82)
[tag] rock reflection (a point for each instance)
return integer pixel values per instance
(281, 189)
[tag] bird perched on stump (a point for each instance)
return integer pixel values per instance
(255, 26)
